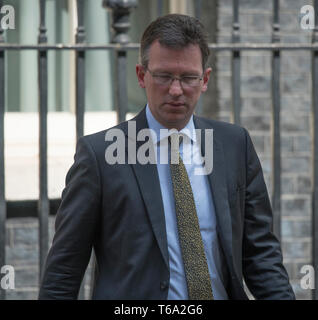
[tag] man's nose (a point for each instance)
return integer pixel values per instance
(175, 88)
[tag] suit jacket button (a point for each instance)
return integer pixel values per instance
(163, 285)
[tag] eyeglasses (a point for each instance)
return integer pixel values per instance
(164, 79)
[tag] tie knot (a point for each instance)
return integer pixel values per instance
(175, 140)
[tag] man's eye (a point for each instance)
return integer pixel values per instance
(163, 76)
(189, 79)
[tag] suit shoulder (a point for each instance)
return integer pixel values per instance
(96, 142)
(99, 136)
(222, 127)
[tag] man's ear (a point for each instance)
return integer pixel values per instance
(206, 78)
(140, 71)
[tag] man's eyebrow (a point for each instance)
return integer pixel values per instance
(184, 74)
(161, 71)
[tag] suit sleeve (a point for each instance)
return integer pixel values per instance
(75, 227)
(263, 269)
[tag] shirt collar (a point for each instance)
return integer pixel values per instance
(158, 132)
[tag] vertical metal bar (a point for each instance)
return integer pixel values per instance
(121, 86)
(80, 89)
(80, 71)
(159, 8)
(121, 25)
(276, 149)
(43, 205)
(315, 151)
(3, 211)
(198, 8)
(197, 13)
(236, 66)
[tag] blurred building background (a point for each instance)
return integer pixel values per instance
(21, 125)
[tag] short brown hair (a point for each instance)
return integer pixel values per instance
(174, 31)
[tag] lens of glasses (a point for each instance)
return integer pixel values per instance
(190, 81)
(185, 81)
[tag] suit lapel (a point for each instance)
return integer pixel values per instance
(148, 180)
(217, 180)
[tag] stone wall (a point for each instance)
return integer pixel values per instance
(22, 252)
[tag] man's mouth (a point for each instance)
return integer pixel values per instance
(176, 104)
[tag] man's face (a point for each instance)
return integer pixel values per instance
(172, 105)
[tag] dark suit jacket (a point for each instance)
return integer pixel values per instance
(117, 210)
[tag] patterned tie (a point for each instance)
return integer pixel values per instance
(194, 260)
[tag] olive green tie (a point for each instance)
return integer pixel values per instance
(194, 260)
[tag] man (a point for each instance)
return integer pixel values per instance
(159, 230)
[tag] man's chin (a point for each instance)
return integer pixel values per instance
(176, 121)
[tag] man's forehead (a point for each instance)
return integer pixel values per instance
(156, 44)
(164, 56)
